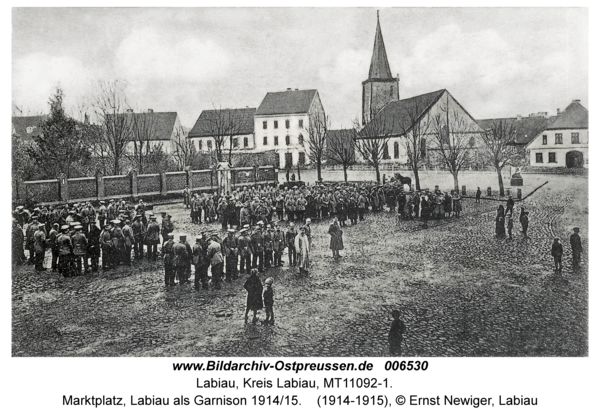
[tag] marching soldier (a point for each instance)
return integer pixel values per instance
(168, 255)
(79, 242)
(230, 248)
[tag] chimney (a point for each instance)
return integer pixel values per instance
(558, 111)
(130, 110)
(576, 101)
(150, 110)
(86, 119)
(289, 89)
(296, 89)
(519, 117)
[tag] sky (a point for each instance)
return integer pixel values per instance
(497, 62)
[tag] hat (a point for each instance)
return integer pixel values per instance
(20, 207)
(395, 313)
(269, 281)
(291, 224)
(214, 234)
(171, 235)
(112, 200)
(269, 226)
(163, 213)
(117, 222)
(231, 230)
(152, 217)
(576, 229)
(182, 236)
(64, 227)
(55, 224)
(244, 231)
(198, 237)
(78, 227)
(260, 223)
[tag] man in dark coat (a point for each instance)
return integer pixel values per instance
(80, 246)
(254, 301)
(576, 248)
(182, 258)
(201, 262)
(39, 246)
(478, 196)
(152, 238)
(52, 236)
(18, 254)
(244, 251)
(557, 252)
(107, 247)
(290, 237)
(336, 244)
(257, 246)
(395, 335)
(510, 205)
(65, 251)
(230, 248)
(138, 237)
(94, 246)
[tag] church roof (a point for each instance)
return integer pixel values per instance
(242, 119)
(527, 127)
(575, 116)
(400, 115)
(286, 102)
(380, 67)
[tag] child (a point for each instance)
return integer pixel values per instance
(395, 336)
(509, 225)
(268, 301)
(557, 252)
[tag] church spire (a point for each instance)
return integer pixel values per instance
(380, 68)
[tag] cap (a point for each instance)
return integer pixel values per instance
(64, 227)
(231, 230)
(117, 222)
(576, 229)
(198, 237)
(269, 281)
(260, 223)
(78, 227)
(171, 235)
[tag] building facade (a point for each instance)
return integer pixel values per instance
(234, 127)
(153, 131)
(564, 143)
(281, 124)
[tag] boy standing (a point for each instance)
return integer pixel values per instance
(557, 252)
(268, 301)
(395, 336)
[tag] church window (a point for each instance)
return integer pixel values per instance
(396, 150)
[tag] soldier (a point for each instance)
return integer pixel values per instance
(118, 243)
(85, 219)
(111, 211)
(278, 246)
(230, 248)
(167, 226)
(182, 257)
(576, 248)
(107, 247)
(222, 210)
(94, 246)
(102, 214)
(198, 257)
(65, 249)
(230, 212)
(268, 241)
(257, 247)
(244, 250)
(127, 242)
(186, 197)
(138, 237)
(215, 257)
(301, 207)
(52, 237)
(245, 214)
(80, 243)
(29, 239)
(152, 238)
(39, 246)
(290, 237)
(167, 251)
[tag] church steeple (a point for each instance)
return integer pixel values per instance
(380, 67)
(381, 87)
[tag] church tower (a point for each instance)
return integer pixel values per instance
(380, 88)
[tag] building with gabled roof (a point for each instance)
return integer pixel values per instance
(237, 121)
(564, 142)
(527, 128)
(281, 124)
(155, 129)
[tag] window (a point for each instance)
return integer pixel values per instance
(558, 138)
(276, 141)
(472, 141)
(386, 152)
(200, 145)
(544, 139)
(539, 158)
(209, 145)
(287, 124)
(276, 124)
(301, 123)
(396, 150)
(301, 158)
(300, 139)
(264, 125)
(574, 138)
(245, 142)
(265, 141)
(551, 157)
(235, 142)
(287, 140)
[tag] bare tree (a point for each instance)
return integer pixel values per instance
(184, 150)
(371, 140)
(116, 126)
(318, 126)
(222, 125)
(144, 134)
(498, 139)
(454, 139)
(416, 139)
(340, 148)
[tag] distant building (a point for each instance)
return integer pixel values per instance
(27, 127)
(154, 129)
(564, 142)
(527, 128)
(216, 122)
(281, 123)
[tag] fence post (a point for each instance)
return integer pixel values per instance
(163, 183)
(63, 187)
(100, 186)
(133, 175)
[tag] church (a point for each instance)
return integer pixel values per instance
(398, 119)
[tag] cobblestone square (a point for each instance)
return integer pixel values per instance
(460, 291)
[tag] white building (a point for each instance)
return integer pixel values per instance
(564, 143)
(281, 124)
(235, 123)
(154, 129)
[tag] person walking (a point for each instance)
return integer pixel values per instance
(254, 300)
(395, 335)
(302, 247)
(336, 243)
(557, 252)
(576, 248)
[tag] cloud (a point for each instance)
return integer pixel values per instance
(36, 76)
(147, 56)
